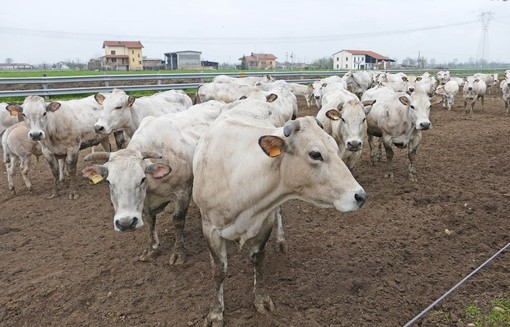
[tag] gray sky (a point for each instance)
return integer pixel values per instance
(34, 31)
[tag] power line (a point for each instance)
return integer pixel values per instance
(221, 40)
(483, 48)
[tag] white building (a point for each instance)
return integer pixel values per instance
(359, 59)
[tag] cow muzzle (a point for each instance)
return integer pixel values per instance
(36, 136)
(99, 129)
(360, 198)
(424, 126)
(126, 223)
(354, 145)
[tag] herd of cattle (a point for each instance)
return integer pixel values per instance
(239, 151)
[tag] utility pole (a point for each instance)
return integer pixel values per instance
(483, 47)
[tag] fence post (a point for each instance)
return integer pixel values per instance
(45, 87)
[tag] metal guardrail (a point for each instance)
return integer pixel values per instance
(292, 76)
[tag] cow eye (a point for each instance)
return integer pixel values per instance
(143, 181)
(44, 115)
(316, 155)
(343, 120)
(23, 115)
(412, 107)
(119, 107)
(364, 119)
(107, 181)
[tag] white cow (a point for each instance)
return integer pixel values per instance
(359, 81)
(398, 82)
(6, 119)
(272, 166)
(443, 76)
(226, 92)
(140, 187)
(474, 89)
(448, 91)
(124, 112)
(489, 79)
(16, 147)
(398, 119)
(325, 84)
(459, 81)
(63, 128)
(250, 80)
(423, 83)
(297, 89)
(505, 88)
(343, 116)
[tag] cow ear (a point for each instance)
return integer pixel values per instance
(324, 84)
(272, 145)
(95, 174)
(436, 100)
(333, 114)
(405, 79)
(477, 80)
(158, 170)
(99, 98)
(53, 106)
(404, 100)
(131, 100)
(367, 105)
(271, 97)
(14, 109)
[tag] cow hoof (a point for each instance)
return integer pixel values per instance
(263, 304)
(177, 258)
(214, 319)
(13, 191)
(281, 247)
(147, 255)
(74, 196)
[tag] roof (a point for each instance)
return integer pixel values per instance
(259, 56)
(126, 44)
(185, 51)
(14, 64)
(368, 53)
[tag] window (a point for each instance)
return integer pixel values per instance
(337, 66)
(138, 55)
(337, 59)
(132, 51)
(139, 62)
(113, 52)
(133, 59)
(346, 58)
(114, 59)
(346, 66)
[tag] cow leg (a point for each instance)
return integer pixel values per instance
(389, 157)
(71, 163)
(120, 141)
(413, 146)
(482, 98)
(280, 234)
(61, 170)
(11, 166)
(106, 145)
(263, 303)
(25, 166)
(179, 219)
(218, 252)
(53, 163)
(371, 145)
(152, 250)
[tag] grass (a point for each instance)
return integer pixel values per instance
(497, 316)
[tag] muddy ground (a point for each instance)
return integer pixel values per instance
(62, 264)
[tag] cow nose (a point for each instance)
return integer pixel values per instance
(98, 128)
(360, 198)
(425, 125)
(126, 223)
(354, 145)
(411, 89)
(36, 136)
(470, 88)
(317, 97)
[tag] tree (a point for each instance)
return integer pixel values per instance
(323, 63)
(9, 61)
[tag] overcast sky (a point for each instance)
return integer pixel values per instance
(34, 31)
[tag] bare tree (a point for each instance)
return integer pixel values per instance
(9, 61)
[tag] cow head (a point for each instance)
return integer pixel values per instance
(128, 175)
(310, 167)
(116, 113)
(419, 105)
(35, 114)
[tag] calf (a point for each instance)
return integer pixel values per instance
(359, 81)
(398, 82)
(225, 92)
(443, 76)
(272, 166)
(474, 89)
(6, 119)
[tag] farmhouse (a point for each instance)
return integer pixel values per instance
(187, 59)
(122, 55)
(258, 61)
(14, 66)
(360, 59)
(153, 63)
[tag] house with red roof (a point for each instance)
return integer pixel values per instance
(122, 55)
(258, 61)
(360, 59)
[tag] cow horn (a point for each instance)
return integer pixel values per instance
(151, 155)
(96, 156)
(290, 126)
